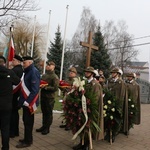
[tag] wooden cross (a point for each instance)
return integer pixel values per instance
(90, 47)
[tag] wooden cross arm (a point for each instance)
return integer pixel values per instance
(88, 45)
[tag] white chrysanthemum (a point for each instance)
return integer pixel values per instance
(105, 106)
(132, 106)
(105, 115)
(109, 101)
(104, 111)
(129, 99)
(113, 109)
(111, 117)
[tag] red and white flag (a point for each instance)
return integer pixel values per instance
(11, 51)
(32, 106)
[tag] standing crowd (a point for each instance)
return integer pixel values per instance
(21, 86)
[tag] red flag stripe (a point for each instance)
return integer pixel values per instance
(11, 50)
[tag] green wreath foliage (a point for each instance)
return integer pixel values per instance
(112, 112)
(73, 113)
(132, 111)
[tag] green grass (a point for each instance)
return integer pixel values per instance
(57, 105)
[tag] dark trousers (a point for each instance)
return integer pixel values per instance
(14, 123)
(4, 126)
(28, 120)
(47, 106)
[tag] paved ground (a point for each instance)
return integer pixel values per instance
(59, 139)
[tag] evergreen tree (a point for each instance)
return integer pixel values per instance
(55, 51)
(100, 58)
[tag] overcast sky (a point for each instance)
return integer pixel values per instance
(136, 14)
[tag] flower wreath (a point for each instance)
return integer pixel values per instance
(132, 111)
(80, 109)
(112, 113)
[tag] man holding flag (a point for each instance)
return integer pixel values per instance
(29, 99)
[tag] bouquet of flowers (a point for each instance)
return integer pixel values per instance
(80, 111)
(132, 110)
(112, 113)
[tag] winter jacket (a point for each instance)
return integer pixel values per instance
(32, 82)
(7, 79)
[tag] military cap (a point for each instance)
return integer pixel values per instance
(89, 69)
(27, 58)
(18, 57)
(115, 70)
(73, 69)
(131, 75)
(50, 63)
(4, 59)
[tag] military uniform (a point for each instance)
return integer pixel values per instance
(133, 89)
(65, 90)
(93, 86)
(48, 100)
(117, 87)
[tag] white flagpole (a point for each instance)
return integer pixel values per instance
(64, 42)
(149, 67)
(47, 43)
(33, 36)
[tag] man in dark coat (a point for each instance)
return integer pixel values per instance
(29, 99)
(14, 123)
(48, 97)
(7, 79)
(133, 89)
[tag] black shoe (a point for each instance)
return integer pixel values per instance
(23, 145)
(84, 147)
(23, 141)
(44, 132)
(67, 128)
(40, 129)
(76, 147)
(62, 126)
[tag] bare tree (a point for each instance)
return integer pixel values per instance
(120, 43)
(87, 23)
(13, 9)
(23, 32)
